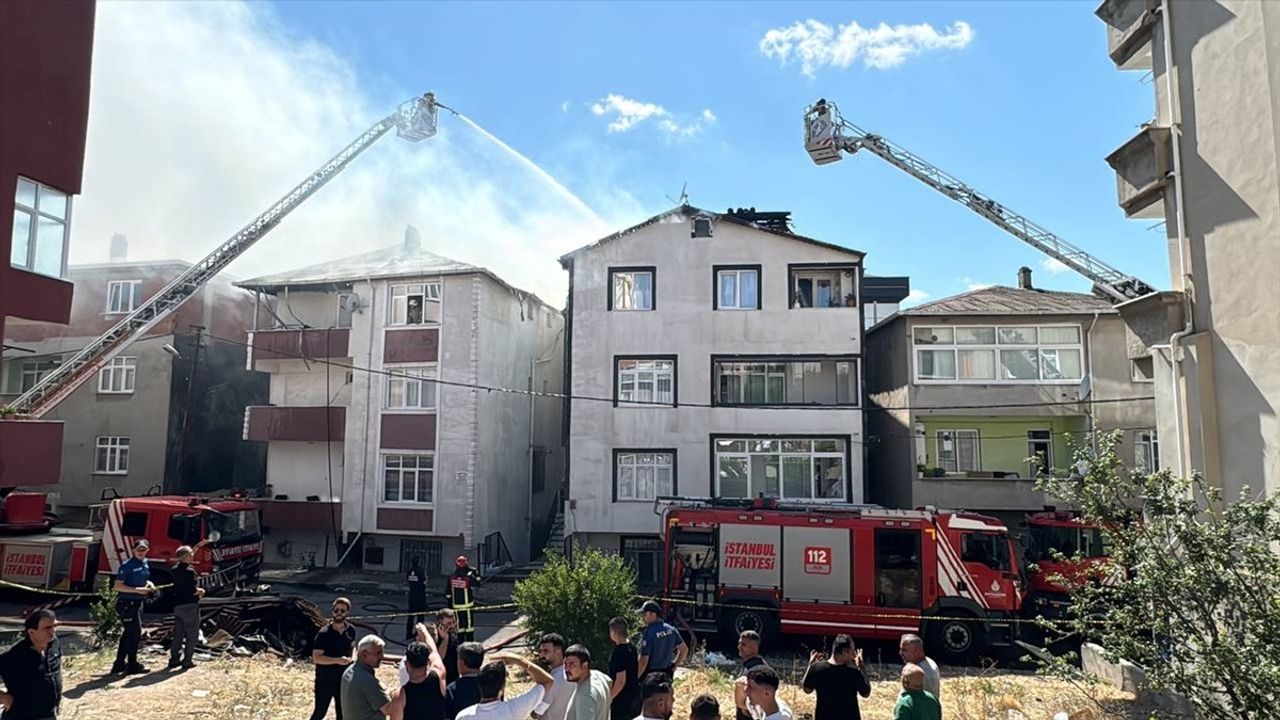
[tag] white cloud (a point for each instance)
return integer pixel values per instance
(183, 153)
(1053, 266)
(971, 284)
(815, 44)
(627, 113)
(564, 106)
(915, 297)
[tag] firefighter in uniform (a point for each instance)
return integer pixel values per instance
(461, 598)
(417, 581)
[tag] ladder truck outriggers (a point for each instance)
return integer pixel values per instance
(828, 137)
(36, 553)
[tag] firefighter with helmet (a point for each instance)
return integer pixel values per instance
(461, 598)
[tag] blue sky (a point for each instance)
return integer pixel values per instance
(1025, 111)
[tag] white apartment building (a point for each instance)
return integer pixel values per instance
(708, 355)
(364, 445)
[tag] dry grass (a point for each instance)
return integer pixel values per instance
(266, 688)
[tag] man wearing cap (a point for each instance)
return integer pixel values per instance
(460, 584)
(133, 585)
(661, 647)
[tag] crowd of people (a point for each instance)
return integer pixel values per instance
(446, 675)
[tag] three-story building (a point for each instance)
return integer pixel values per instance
(708, 354)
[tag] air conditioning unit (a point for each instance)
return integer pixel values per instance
(373, 555)
(349, 302)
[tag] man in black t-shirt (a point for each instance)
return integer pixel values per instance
(186, 595)
(837, 681)
(32, 671)
(623, 670)
(749, 653)
(332, 653)
(465, 691)
(447, 641)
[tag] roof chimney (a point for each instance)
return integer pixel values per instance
(412, 240)
(1024, 278)
(119, 248)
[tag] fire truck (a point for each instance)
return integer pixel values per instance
(1054, 538)
(823, 569)
(48, 557)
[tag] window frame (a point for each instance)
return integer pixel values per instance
(717, 360)
(1036, 469)
(846, 462)
(39, 368)
(127, 371)
(113, 445)
(135, 296)
(1146, 444)
(955, 347)
(717, 270)
(623, 269)
(675, 473)
(977, 448)
(384, 456)
(426, 297)
(675, 381)
(854, 268)
(397, 375)
(33, 231)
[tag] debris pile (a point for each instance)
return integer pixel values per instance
(283, 626)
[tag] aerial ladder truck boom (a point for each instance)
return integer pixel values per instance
(828, 137)
(413, 120)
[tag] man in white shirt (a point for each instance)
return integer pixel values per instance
(555, 706)
(493, 679)
(911, 648)
(757, 693)
(659, 700)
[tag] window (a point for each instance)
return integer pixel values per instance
(410, 388)
(632, 289)
(645, 381)
(33, 371)
(416, 304)
(407, 478)
(990, 354)
(346, 308)
(986, 548)
(133, 524)
(1146, 457)
(737, 288)
(40, 215)
(898, 568)
(1040, 448)
(112, 456)
(785, 381)
(958, 450)
(644, 555)
(118, 375)
(643, 475)
(822, 287)
(123, 296)
(786, 468)
(1142, 369)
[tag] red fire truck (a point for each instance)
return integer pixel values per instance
(38, 554)
(1054, 532)
(819, 569)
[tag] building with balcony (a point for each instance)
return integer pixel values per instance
(708, 354)
(45, 55)
(389, 431)
(167, 411)
(1205, 163)
(964, 391)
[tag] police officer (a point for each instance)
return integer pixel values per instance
(461, 598)
(133, 585)
(417, 598)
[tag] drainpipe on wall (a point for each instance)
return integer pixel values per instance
(1175, 340)
(1093, 385)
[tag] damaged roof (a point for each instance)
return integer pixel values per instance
(1003, 300)
(406, 259)
(691, 211)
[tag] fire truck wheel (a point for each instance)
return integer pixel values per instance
(763, 620)
(955, 640)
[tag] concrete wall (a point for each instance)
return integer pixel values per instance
(300, 469)
(1226, 56)
(889, 425)
(684, 324)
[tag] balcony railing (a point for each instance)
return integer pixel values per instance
(1142, 168)
(274, 423)
(1129, 25)
(298, 344)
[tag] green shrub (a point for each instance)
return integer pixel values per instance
(106, 621)
(578, 598)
